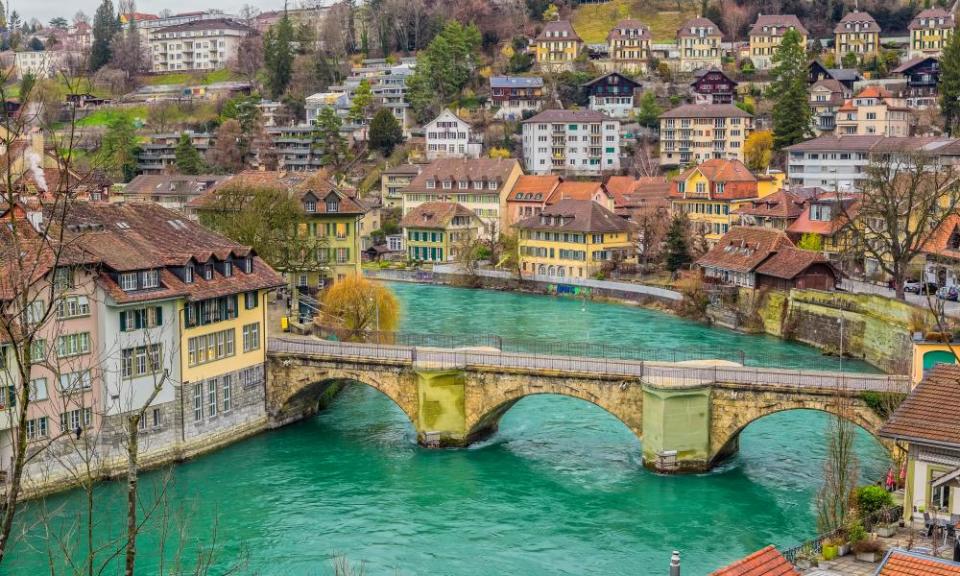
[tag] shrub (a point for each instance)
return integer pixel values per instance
(867, 546)
(871, 499)
(856, 532)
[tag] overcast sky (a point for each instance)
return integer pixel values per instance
(44, 10)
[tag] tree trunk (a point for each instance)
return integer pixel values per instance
(132, 479)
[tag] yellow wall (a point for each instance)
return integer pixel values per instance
(348, 222)
(240, 359)
(554, 51)
(589, 265)
(920, 349)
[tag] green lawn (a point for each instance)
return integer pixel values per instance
(188, 78)
(105, 116)
(594, 21)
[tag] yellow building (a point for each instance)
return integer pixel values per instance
(557, 46)
(629, 46)
(767, 34)
(439, 231)
(874, 111)
(930, 31)
(393, 180)
(711, 193)
(699, 42)
(573, 239)
(335, 217)
(927, 354)
(856, 33)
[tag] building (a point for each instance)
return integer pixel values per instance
(767, 33)
(699, 41)
(778, 210)
(573, 239)
(439, 231)
(330, 213)
(557, 46)
(848, 77)
(826, 98)
(898, 561)
(929, 423)
(481, 185)
(451, 137)
(172, 191)
(830, 219)
(576, 141)
(710, 194)
(197, 45)
(923, 79)
(158, 154)
(612, 94)
(529, 196)
(765, 562)
(291, 147)
(693, 133)
(314, 103)
(647, 196)
(930, 32)
(628, 44)
(48, 63)
(393, 181)
(856, 33)
(874, 110)
(514, 96)
(713, 86)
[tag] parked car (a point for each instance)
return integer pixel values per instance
(948, 293)
(917, 287)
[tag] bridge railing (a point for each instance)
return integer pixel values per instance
(680, 374)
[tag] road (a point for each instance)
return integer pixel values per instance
(949, 308)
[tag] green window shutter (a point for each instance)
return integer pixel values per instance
(123, 320)
(347, 228)
(159, 315)
(347, 254)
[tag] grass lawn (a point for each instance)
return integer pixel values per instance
(222, 75)
(594, 21)
(105, 116)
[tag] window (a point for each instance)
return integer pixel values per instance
(250, 300)
(197, 402)
(38, 389)
(37, 428)
(128, 281)
(188, 274)
(227, 269)
(63, 279)
(150, 279)
(212, 398)
(73, 307)
(73, 344)
(251, 337)
(140, 360)
(38, 351)
(140, 318)
(310, 205)
(227, 386)
(73, 381)
(208, 271)
(248, 262)
(210, 347)
(74, 419)
(157, 421)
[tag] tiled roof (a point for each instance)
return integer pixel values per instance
(568, 190)
(717, 170)
(788, 263)
(618, 186)
(538, 188)
(578, 216)
(616, 33)
(831, 84)
(171, 184)
(777, 25)
(706, 111)
(765, 562)
(865, 20)
(560, 26)
(906, 66)
(929, 413)
(899, 562)
(625, 81)
(939, 242)
(805, 225)
(434, 215)
(932, 14)
(780, 204)
(742, 249)
(583, 115)
(464, 169)
(874, 92)
(700, 22)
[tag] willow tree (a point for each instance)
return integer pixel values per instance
(358, 306)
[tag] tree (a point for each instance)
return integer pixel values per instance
(849, 60)
(249, 59)
(551, 13)
(105, 26)
(59, 22)
(649, 112)
(839, 469)
(226, 155)
(443, 69)
(385, 132)
(758, 150)
(328, 139)
(950, 86)
(678, 251)
(126, 52)
(497, 152)
(188, 159)
(791, 113)
(278, 56)
(35, 44)
(359, 306)
(360, 105)
(118, 150)
(810, 241)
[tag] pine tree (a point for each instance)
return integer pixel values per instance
(385, 132)
(328, 141)
(278, 56)
(678, 253)
(104, 27)
(950, 86)
(791, 114)
(362, 98)
(649, 113)
(188, 159)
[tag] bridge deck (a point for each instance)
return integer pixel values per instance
(677, 374)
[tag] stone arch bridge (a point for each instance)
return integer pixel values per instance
(689, 416)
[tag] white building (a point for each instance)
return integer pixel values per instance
(447, 136)
(47, 63)
(577, 141)
(198, 45)
(314, 103)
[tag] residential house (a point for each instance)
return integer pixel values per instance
(898, 561)
(628, 44)
(764, 562)
(778, 210)
(930, 32)
(557, 46)
(314, 103)
(393, 181)
(47, 63)
(482, 185)
(158, 154)
(643, 195)
(767, 33)
(451, 137)
(574, 239)
(826, 98)
(699, 41)
(692, 133)
(514, 96)
(874, 110)
(941, 253)
(574, 141)
(923, 79)
(439, 231)
(710, 194)
(713, 86)
(172, 191)
(612, 94)
(195, 46)
(330, 213)
(529, 196)
(752, 257)
(846, 76)
(856, 33)
(829, 218)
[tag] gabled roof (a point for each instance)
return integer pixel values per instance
(706, 111)
(777, 25)
(781, 204)
(699, 74)
(531, 188)
(577, 216)
(839, 217)
(831, 84)
(718, 170)
(616, 33)
(913, 63)
(938, 243)
(623, 78)
(848, 23)
(788, 263)
(435, 215)
(568, 190)
(699, 22)
(765, 562)
(933, 14)
(468, 169)
(929, 414)
(557, 26)
(900, 562)
(743, 248)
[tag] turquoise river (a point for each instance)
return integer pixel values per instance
(560, 489)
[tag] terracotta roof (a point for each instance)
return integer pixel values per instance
(899, 562)
(874, 92)
(464, 169)
(583, 115)
(171, 184)
(629, 24)
(435, 215)
(534, 188)
(830, 84)
(717, 170)
(576, 191)
(929, 413)
(706, 111)
(578, 216)
(778, 25)
(557, 26)
(620, 185)
(866, 21)
(788, 263)
(805, 225)
(939, 242)
(700, 22)
(781, 204)
(932, 14)
(742, 249)
(766, 562)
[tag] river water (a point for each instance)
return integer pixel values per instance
(560, 489)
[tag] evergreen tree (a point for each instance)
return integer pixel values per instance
(950, 86)
(678, 253)
(385, 132)
(278, 56)
(649, 113)
(188, 159)
(105, 25)
(443, 68)
(118, 150)
(362, 98)
(327, 139)
(791, 113)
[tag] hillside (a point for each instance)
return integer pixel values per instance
(593, 21)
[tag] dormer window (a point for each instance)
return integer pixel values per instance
(188, 274)
(128, 281)
(310, 206)
(333, 204)
(447, 184)
(431, 184)
(150, 279)
(248, 264)
(463, 185)
(227, 269)
(208, 271)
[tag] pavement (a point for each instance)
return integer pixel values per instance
(910, 537)
(949, 308)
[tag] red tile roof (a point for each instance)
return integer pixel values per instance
(742, 249)
(939, 243)
(907, 563)
(780, 204)
(706, 111)
(788, 263)
(929, 414)
(765, 562)
(533, 186)
(577, 216)
(722, 171)
(435, 215)
(576, 191)
(805, 225)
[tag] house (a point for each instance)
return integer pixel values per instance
(575, 141)
(451, 137)
(612, 94)
(692, 133)
(941, 253)
(930, 32)
(710, 194)
(923, 79)
(395, 179)
(826, 98)
(557, 46)
(848, 77)
(765, 562)
(929, 423)
(628, 44)
(513, 96)
(47, 63)
(197, 45)
(439, 231)
(856, 33)
(580, 190)
(766, 34)
(172, 191)
(633, 196)
(751, 257)
(158, 154)
(573, 239)
(699, 42)
(897, 562)
(874, 110)
(482, 185)
(713, 86)
(314, 103)
(529, 196)
(830, 218)
(330, 213)
(778, 210)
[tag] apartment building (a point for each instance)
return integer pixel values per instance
(448, 136)
(874, 110)
(711, 193)
(197, 45)
(439, 231)
(856, 33)
(930, 32)
(291, 147)
(393, 181)
(766, 34)
(48, 63)
(158, 154)
(513, 96)
(331, 213)
(826, 98)
(699, 42)
(693, 133)
(628, 43)
(557, 46)
(572, 141)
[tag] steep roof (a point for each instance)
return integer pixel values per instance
(899, 562)
(849, 23)
(929, 413)
(804, 224)
(617, 32)
(922, 20)
(468, 169)
(781, 204)
(788, 262)
(567, 190)
(534, 188)
(743, 248)
(912, 63)
(583, 115)
(577, 216)
(435, 215)
(706, 111)
(624, 78)
(776, 25)
(699, 22)
(723, 171)
(939, 242)
(557, 30)
(765, 562)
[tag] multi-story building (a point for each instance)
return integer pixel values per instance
(766, 34)
(923, 80)
(481, 185)
(856, 33)
(693, 133)
(557, 46)
(439, 231)
(529, 196)
(448, 136)
(573, 239)
(710, 195)
(830, 217)
(826, 98)
(874, 110)
(148, 26)
(930, 32)
(778, 210)
(314, 103)
(699, 41)
(47, 63)
(848, 77)
(158, 154)
(628, 43)
(393, 181)
(575, 141)
(335, 216)
(292, 147)
(197, 45)
(515, 95)
(612, 94)
(713, 86)
(172, 191)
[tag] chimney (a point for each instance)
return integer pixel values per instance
(35, 217)
(675, 564)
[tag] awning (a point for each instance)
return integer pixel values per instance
(948, 479)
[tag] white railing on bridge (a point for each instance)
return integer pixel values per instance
(680, 374)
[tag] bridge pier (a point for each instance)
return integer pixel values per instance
(676, 428)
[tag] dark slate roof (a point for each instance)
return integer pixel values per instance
(516, 82)
(866, 21)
